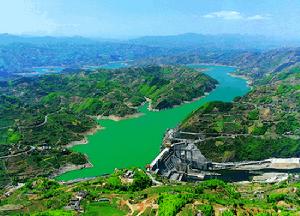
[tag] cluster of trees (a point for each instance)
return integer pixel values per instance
(170, 204)
(216, 184)
(140, 181)
(215, 191)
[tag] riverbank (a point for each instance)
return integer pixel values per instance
(248, 80)
(149, 101)
(84, 141)
(119, 118)
(213, 64)
(70, 167)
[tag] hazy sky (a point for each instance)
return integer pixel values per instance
(129, 18)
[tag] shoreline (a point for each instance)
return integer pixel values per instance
(149, 101)
(212, 64)
(195, 99)
(201, 97)
(184, 102)
(118, 118)
(94, 130)
(70, 167)
(248, 80)
(84, 141)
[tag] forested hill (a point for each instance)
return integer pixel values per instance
(50, 111)
(263, 124)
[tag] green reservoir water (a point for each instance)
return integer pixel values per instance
(136, 142)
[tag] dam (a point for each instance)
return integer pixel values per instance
(181, 160)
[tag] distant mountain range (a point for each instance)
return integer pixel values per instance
(188, 40)
(6, 39)
(224, 41)
(20, 52)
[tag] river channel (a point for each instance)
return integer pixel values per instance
(136, 141)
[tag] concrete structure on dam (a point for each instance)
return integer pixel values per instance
(180, 159)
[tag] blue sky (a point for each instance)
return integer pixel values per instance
(130, 18)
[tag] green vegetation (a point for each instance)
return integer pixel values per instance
(54, 213)
(207, 210)
(216, 184)
(140, 181)
(102, 209)
(41, 196)
(170, 204)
